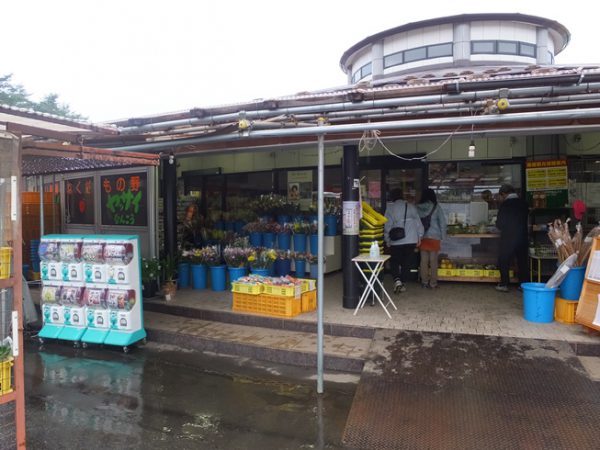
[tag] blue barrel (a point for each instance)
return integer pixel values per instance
(230, 226)
(570, 288)
(218, 278)
(256, 239)
(183, 279)
(299, 242)
(284, 241)
(300, 268)
(314, 271)
(268, 240)
(538, 302)
(198, 276)
(239, 226)
(220, 225)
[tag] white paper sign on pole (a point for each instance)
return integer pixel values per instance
(351, 218)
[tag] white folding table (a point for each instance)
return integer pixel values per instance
(365, 264)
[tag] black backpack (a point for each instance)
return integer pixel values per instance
(426, 221)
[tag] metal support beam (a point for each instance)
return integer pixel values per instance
(350, 173)
(169, 192)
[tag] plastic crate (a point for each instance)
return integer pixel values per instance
(564, 310)
(246, 288)
(309, 301)
(269, 305)
(5, 376)
(283, 291)
(445, 272)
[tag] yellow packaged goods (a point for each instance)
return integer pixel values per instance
(379, 217)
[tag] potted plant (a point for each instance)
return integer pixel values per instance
(169, 276)
(212, 257)
(150, 274)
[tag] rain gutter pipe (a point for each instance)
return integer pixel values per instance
(576, 114)
(352, 106)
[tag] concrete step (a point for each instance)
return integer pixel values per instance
(341, 353)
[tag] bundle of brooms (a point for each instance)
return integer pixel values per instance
(567, 245)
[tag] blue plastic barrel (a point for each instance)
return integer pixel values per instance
(218, 278)
(256, 239)
(183, 280)
(268, 239)
(199, 273)
(330, 225)
(570, 288)
(283, 241)
(538, 302)
(300, 242)
(262, 272)
(236, 272)
(300, 266)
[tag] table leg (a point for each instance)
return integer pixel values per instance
(365, 293)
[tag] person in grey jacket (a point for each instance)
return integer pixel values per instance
(400, 213)
(434, 222)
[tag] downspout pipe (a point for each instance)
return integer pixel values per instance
(351, 106)
(499, 119)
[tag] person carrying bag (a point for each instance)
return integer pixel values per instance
(434, 224)
(401, 240)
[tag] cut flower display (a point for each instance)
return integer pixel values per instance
(262, 258)
(236, 256)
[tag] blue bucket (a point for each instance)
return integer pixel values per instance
(183, 280)
(314, 271)
(256, 239)
(300, 266)
(198, 276)
(217, 278)
(284, 241)
(261, 272)
(330, 225)
(282, 267)
(236, 272)
(570, 288)
(300, 242)
(268, 239)
(314, 244)
(538, 302)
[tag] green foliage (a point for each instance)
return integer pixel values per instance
(169, 268)
(12, 94)
(150, 269)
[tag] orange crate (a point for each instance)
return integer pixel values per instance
(269, 305)
(564, 310)
(309, 301)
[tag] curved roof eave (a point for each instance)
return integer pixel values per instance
(557, 27)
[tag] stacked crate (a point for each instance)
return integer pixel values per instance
(275, 301)
(30, 213)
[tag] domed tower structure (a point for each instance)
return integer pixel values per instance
(449, 46)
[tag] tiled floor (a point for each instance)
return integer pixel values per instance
(470, 308)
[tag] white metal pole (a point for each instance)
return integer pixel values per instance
(320, 253)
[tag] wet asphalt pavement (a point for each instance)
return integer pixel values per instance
(158, 397)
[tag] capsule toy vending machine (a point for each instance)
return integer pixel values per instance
(123, 291)
(51, 278)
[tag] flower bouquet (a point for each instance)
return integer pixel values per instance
(236, 256)
(262, 258)
(300, 228)
(255, 227)
(211, 255)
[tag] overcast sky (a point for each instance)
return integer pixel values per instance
(126, 58)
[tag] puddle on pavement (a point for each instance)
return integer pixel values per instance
(157, 398)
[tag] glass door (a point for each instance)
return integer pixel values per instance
(12, 400)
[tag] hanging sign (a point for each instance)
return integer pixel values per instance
(547, 183)
(300, 186)
(124, 199)
(351, 218)
(79, 205)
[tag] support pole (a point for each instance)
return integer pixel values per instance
(42, 225)
(320, 252)
(169, 169)
(350, 242)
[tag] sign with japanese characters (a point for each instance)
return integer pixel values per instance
(124, 199)
(547, 183)
(79, 205)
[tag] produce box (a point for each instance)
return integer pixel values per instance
(491, 273)
(247, 288)
(283, 291)
(308, 284)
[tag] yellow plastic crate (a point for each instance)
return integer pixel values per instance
(283, 291)
(491, 273)
(309, 301)
(445, 272)
(246, 288)
(5, 376)
(268, 305)
(564, 310)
